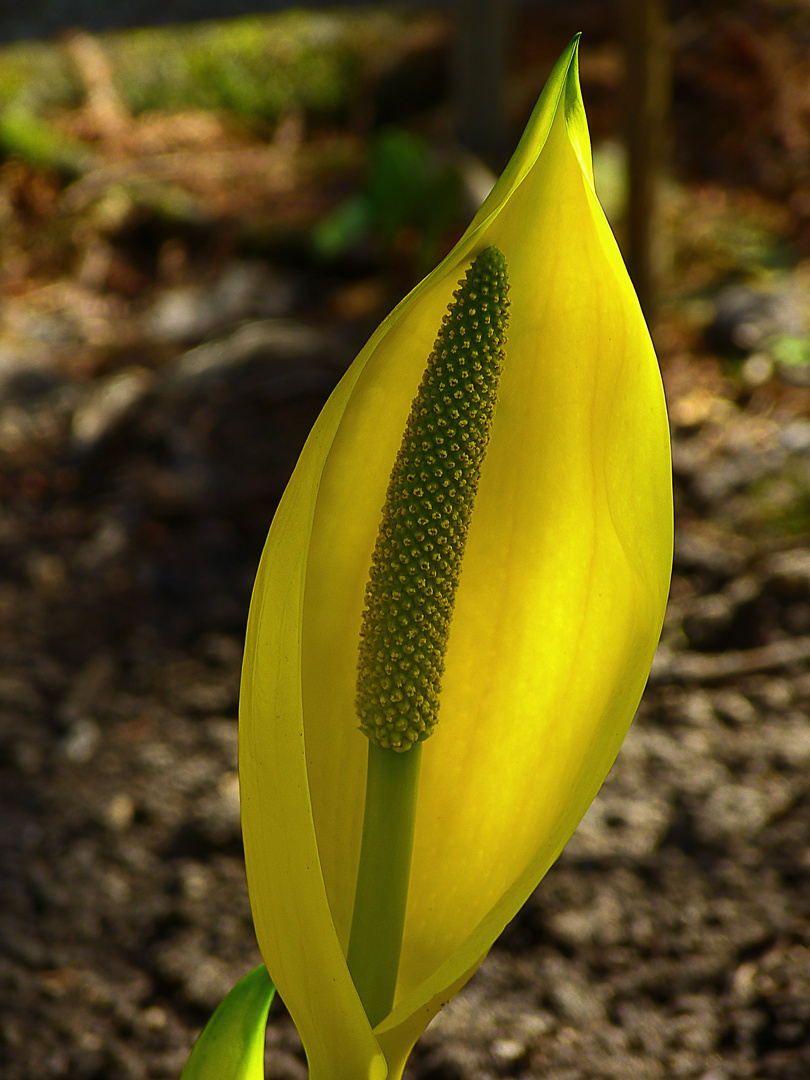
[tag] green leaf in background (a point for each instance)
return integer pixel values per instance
(231, 1045)
(790, 351)
(399, 172)
(345, 226)
(405, 189)
(24, 135)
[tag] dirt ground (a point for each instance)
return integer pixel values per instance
(156, 383)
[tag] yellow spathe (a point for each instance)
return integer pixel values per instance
(558, 612)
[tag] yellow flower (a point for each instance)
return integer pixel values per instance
(557, 614)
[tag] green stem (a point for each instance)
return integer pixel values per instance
(382, 878)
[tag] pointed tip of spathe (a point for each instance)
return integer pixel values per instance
(573, 46)
(568, 65)
(572, 49)
(575, 120)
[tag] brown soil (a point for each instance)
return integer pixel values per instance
(138, 478)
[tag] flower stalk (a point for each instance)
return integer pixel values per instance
(383, 875)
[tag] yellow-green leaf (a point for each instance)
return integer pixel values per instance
(231, 1045)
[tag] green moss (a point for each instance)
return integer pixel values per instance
(36, 76)
(256, 67)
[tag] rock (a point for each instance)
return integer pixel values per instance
(742, 321)
(119, 812)
(737, 471)
(718, 553)
(87, 690)
(81, 741)
(293, 358)
(790, 571)
(107, 404)
(734, 706)
(738, 811)
(708, 621)
(795, 435)
(769, 317)
(244, 290)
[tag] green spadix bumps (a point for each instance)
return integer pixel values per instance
(420, 546)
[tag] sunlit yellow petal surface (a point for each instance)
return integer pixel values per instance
(557, 615)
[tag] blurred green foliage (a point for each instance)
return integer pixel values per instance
(781, 502)
(405, 188)
(35, 77)
(790, 350)
(255, 67)
(26, 136)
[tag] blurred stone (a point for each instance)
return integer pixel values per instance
(689, 706)
(207, 697)
(19, 693)
(757, 369)
(244, 290)
(734, 706)
(195, 881)
(205, 979)
(223, 734)
(577, 1003)
(689, 456)
(88, 688)
(288, 343)
(81, 741)
(108, 403)
(743, 589)
(717, 553)
(47, 572)
(756, 318)
(154, 1018)
(507, 1052)
(105, 545)
(796, 618)
(600, 923)
(736, 812)
(777, 693)
(729, 474)
(790, 570)
(741, 322)
(708, 620)
(618, 825)
(119, 812)
(795, 435)
(217, 817)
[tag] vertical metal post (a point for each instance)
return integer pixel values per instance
(646, 108)
(481, 59)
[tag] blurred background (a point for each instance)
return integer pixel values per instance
(201, 221)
